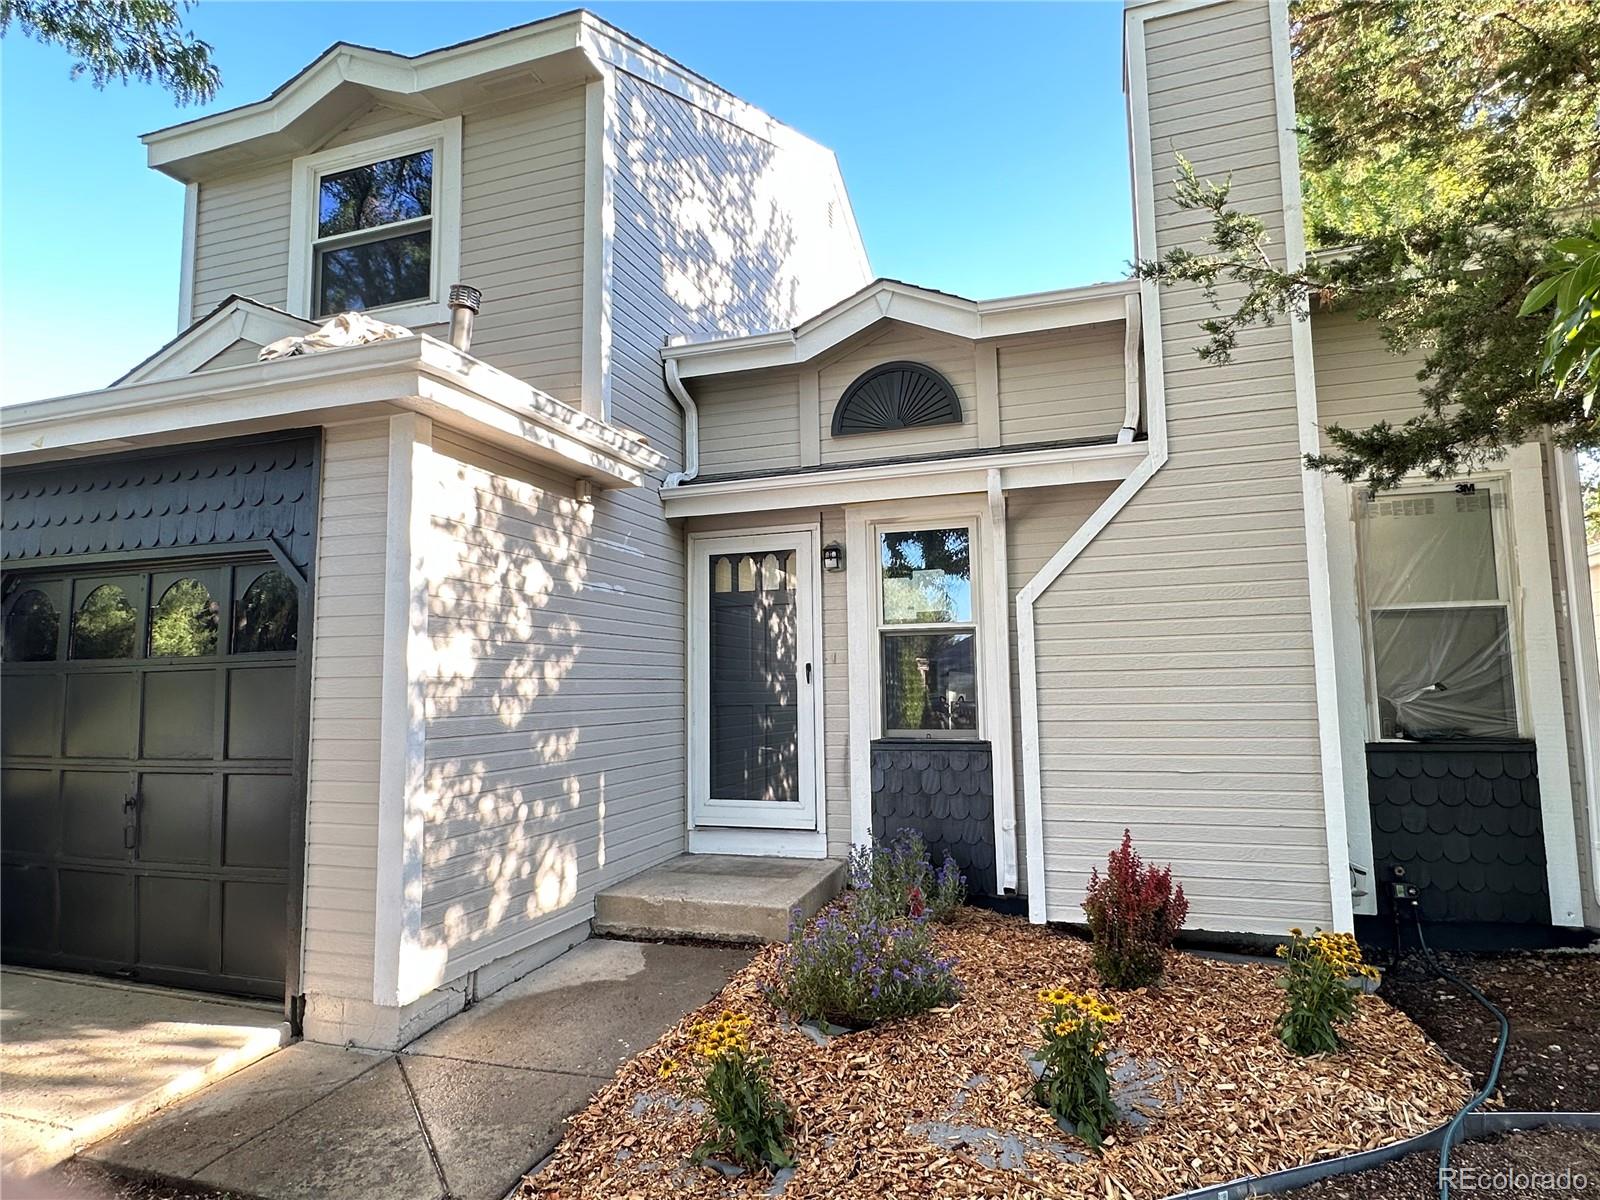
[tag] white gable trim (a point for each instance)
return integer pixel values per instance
(888, 299)
(232, 321)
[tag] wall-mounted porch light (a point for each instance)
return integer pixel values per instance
(833, 557)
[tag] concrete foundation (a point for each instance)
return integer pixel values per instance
(719, 897)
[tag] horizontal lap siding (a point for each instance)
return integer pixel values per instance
(347, 669)
(554, 702)
(241, 353)
(749, 422)
(1038, 522)
(1359, 381)
(950, 356)
(1066, 384)
(1176, 689)
(522, 169)
(241, 240)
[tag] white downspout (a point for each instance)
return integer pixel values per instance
(691, 427)
(1130, 368)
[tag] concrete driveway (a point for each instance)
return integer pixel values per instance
(463, 1112)
(81, 1058)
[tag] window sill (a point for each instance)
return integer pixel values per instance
(413, 314)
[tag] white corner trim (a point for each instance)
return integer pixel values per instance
(186, 260)
(1350, 665)
(1324, 662)
(599, 235)
(444, 138)
(397, 933)
(1154, 459)
(1545, 707)
(1581, 640)
(809, 414)
(859, 637)
(986, 368)
(1132, 329)
(997, 652)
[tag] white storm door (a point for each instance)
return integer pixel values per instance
(754, 680)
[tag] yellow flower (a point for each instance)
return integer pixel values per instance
(668, 1066)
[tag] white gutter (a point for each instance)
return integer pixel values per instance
(1581, 640)
(691, 427)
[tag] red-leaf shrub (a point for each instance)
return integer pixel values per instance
(1134, 913)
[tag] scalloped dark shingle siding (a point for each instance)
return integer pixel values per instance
(946, 793)
(1463, 820)
(206, 494)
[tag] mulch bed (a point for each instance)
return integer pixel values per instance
(1229, 1099)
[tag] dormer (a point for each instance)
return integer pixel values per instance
(373, 181)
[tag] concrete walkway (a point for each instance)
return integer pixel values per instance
(462, 1112)
(81, 1058)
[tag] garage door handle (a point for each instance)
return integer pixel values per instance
(130, 821)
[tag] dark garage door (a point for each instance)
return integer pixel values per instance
(149, 780)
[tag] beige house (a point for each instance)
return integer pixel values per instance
(355, 675)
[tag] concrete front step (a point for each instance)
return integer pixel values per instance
(720, 897)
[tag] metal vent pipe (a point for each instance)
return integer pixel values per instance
(464, 304)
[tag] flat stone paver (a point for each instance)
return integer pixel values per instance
(81, 1058)
(464, 1111)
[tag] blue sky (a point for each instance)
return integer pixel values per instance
(984, 146)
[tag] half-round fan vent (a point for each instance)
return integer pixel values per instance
(896, 395)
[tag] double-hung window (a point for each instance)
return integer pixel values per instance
(1441, 625)
(927, 632)
(375, 226)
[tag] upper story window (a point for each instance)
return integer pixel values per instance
(1441, 626)
(375, 226)
(374, 243)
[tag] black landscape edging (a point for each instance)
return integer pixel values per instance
(1477, 1124)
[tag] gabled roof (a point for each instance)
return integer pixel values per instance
(894, 300)
(235, 318)
(557, 51)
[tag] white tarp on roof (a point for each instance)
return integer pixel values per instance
(346, 329)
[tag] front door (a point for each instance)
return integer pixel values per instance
(754, 677)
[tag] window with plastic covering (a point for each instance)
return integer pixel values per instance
(1440, 616)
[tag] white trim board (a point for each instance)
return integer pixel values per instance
(403, 969)
(1323, 638)
(806, 838)
(1051, 467)
(1543, 699)
(186, 255)
(1578, 601)
(444, 139)
(232, 320)
(418, 373)
(599, 235)
(888, 299)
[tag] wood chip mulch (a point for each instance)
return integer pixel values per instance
(1232, 1100)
